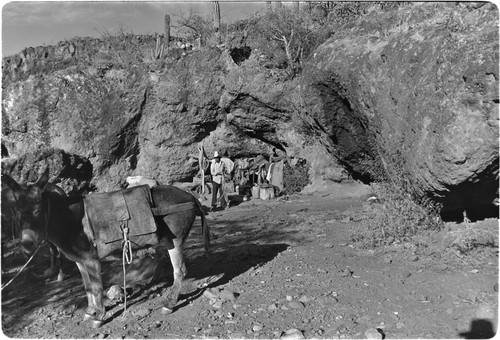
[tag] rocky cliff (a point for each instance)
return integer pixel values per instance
(421, 85)
(410, 93)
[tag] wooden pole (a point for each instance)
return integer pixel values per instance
(201, 161)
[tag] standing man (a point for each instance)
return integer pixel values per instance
(217, 169)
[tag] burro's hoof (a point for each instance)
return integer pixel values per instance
(60, 277)
(166, 310)
(96, 323)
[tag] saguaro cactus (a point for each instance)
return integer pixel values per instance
(167, 29)
(217, 21)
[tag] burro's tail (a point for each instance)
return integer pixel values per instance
(204, 226)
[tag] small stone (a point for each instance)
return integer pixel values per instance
(296, 304)
(373, 333)
(387, 260)
(115, 292)
(293, 334)
(400, 325)
(228, 295)
(256, 328)
(414, 258)
(197, 329)
(102, 336)
(218, 304)
(304, 299)
(272, 306)
(495, 287)
(210, 294)
(289, 298)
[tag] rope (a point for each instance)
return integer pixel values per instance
(126, 259)
(47, 218)
(22, 268)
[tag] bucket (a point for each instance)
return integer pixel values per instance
(266, 192)
(255, 192)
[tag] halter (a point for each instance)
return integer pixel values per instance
(47, 218)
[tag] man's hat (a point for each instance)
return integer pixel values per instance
(216, 154)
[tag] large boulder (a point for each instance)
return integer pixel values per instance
(415, 92)
(71, 172)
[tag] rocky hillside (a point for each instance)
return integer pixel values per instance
(409, 94)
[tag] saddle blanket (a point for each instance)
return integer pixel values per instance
(107, 213)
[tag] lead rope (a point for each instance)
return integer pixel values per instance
(47, 217)
(126, 259)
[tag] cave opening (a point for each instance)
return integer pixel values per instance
(5, 151)
(240, 54)
(478, 199)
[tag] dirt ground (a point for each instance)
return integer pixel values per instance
(278, 269)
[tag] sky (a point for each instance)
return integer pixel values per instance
(38, 23)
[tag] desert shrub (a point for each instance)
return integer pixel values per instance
(295, 178)
(467, 237)
(398, 217)
(287, 38)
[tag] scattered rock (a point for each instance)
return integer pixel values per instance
(304, 299)
(293, 334)
(296, 304)
(400, 325)
(257, 328)
(115, 293)
(228, 295)
(373, 333)
(218, 304)
(495, 287)
(387, 260)
(211, 294)
(414, 258)
(272, 306)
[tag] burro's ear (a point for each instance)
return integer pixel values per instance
(43, 180)
(11, 183)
